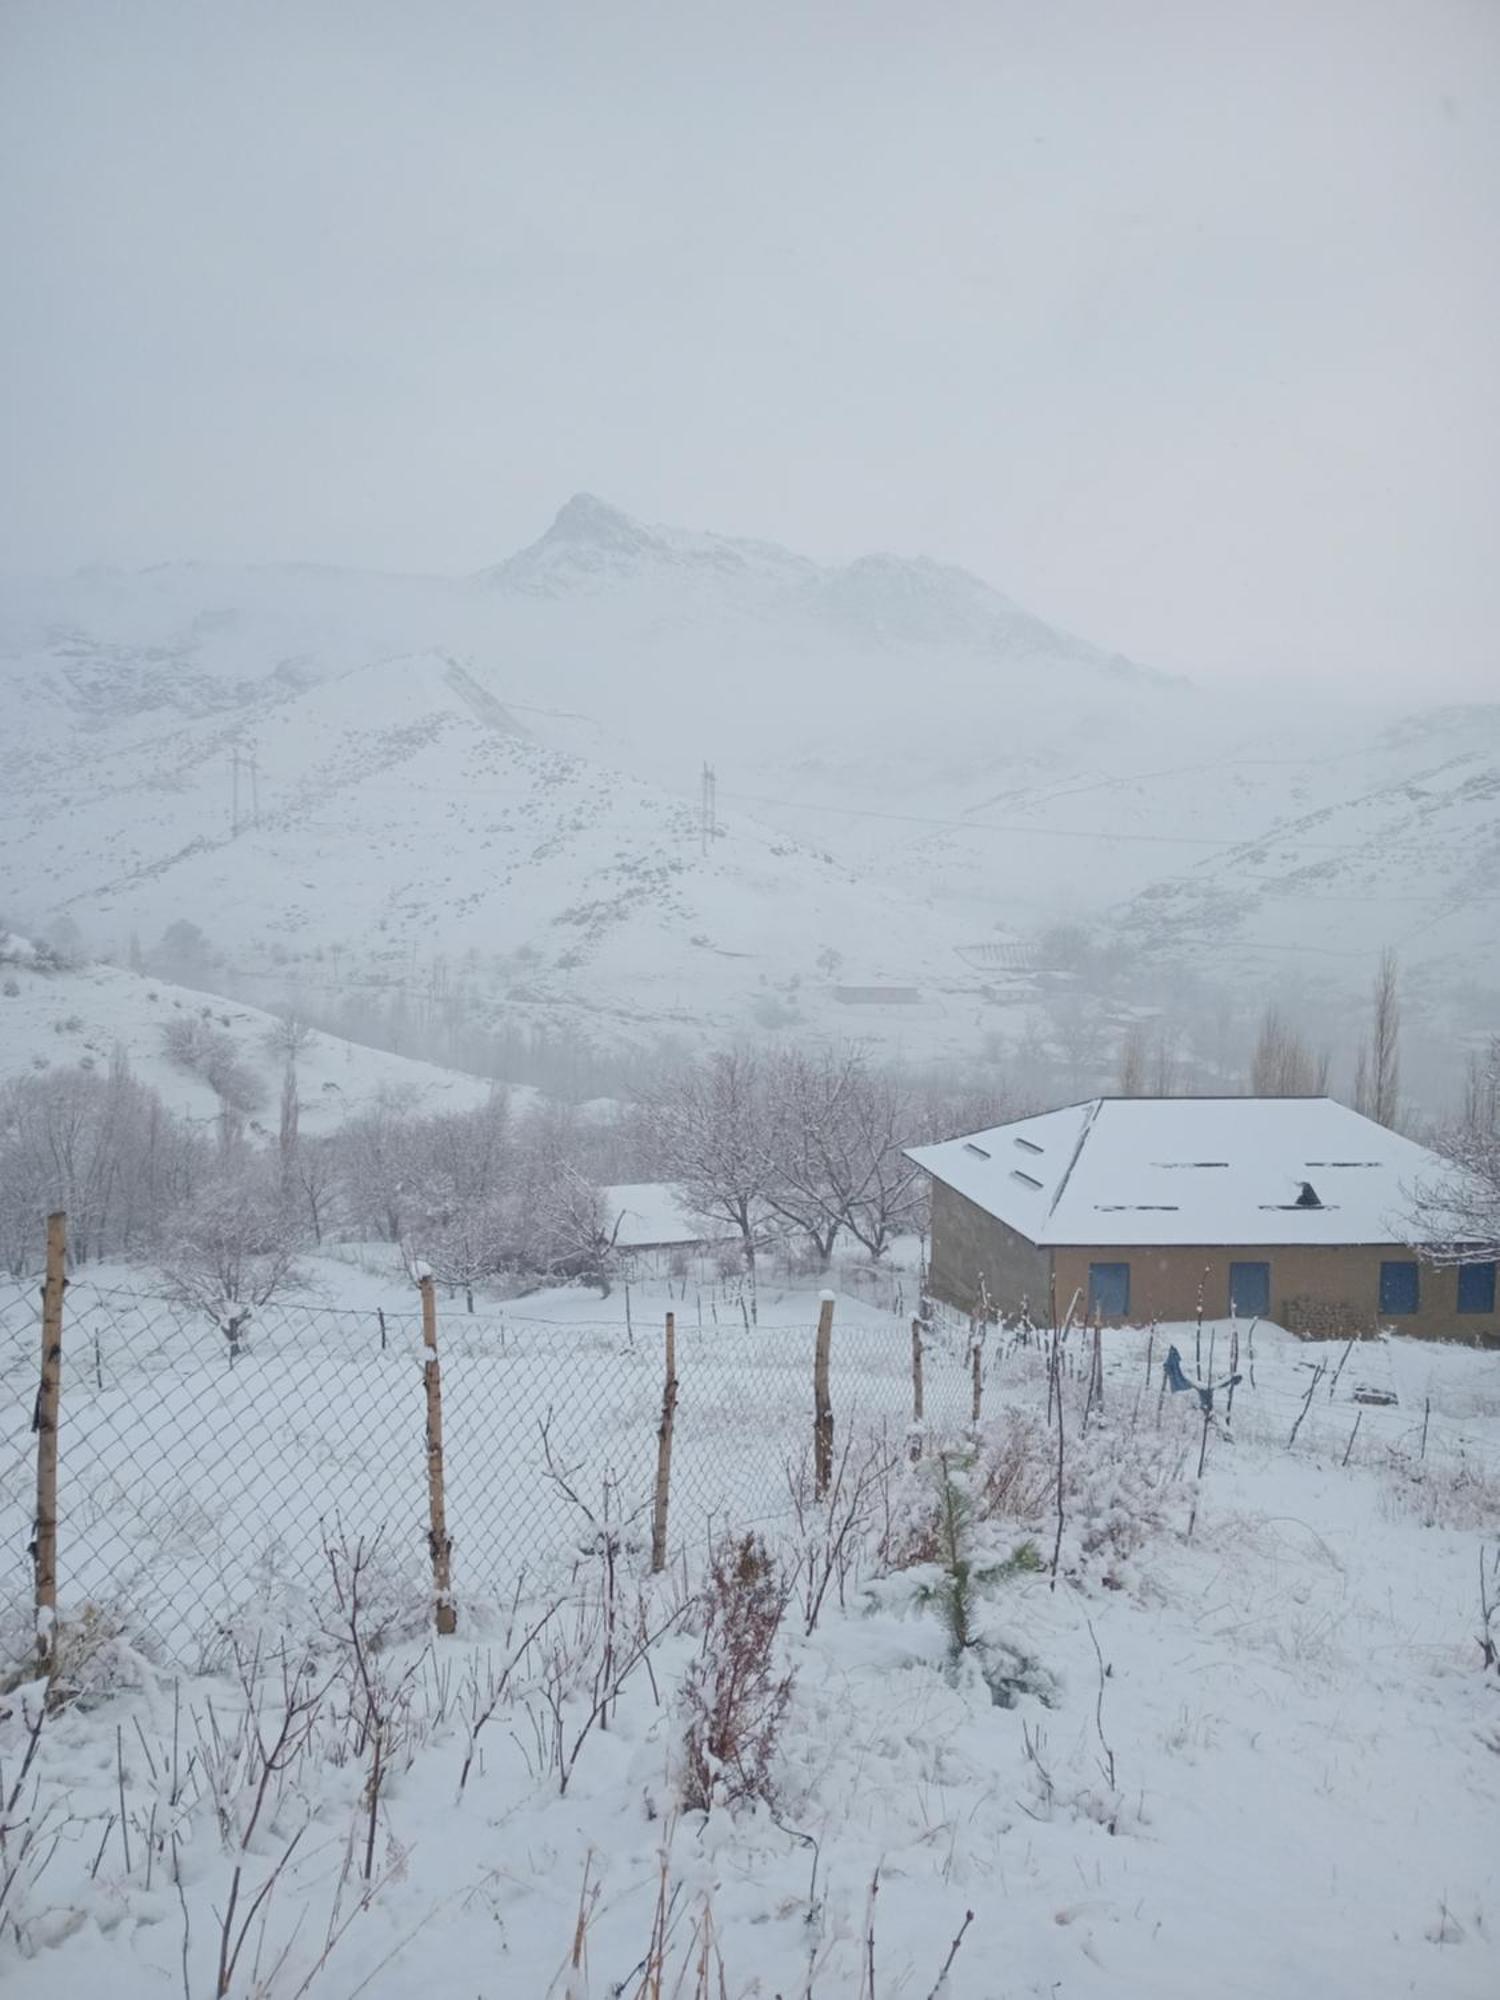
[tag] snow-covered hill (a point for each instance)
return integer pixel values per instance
(86, 1014)
(397, 781)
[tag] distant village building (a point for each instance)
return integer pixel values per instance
(1012, 956)
(878, 996)
(653, 1231)
(1288, 1208)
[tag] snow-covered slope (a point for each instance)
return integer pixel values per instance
(84, 1015)
(388, 779)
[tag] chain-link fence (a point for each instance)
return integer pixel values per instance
(196, 1495)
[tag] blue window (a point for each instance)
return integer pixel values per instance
(1399, 1290)
(1250, 1290)
(1109, 1291)
(1476, 1288)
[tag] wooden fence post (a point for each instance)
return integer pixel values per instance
(823, 1402)
(44, 1423)
(977, 1332)
(916, 1371)
(437, 1519)
(664, 1453)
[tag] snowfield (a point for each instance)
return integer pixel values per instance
(1247, 1745)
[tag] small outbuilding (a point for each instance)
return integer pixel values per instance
(653, 1229)
(1294, 1209)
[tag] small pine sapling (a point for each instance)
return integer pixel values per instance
(956, 1593)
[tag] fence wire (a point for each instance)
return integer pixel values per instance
(197, 1499)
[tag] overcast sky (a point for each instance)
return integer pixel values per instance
(1177, 322)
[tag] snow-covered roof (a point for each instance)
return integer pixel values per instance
(651, 1216)
(1199, 1170)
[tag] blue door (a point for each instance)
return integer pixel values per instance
(1250, 1291)
(1109, 1291)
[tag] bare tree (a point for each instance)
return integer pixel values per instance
(231, 1248)
(315, 1181)
(1377, 1074)
(1481, 1105)
(575, 1237)
(1130, 1073)
(1165, 1056)
(100, 1145)
(1455, 1215)
(378, 1167)
(714, 1120)
(1283, 1064)
(835, 1132)
(291, 1114)
(1079, 1033)
(807, 1139)
(289, 1036)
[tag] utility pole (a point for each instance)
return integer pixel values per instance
(234, 810)
(254, 788)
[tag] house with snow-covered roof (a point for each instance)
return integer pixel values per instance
(653, 1229)
(1293, 1209)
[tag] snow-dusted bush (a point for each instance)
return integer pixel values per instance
(1444, 1492)
(194, 1044)
(96, 1652)
(33, 953)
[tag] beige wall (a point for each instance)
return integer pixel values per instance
(1328, 1291)
(974, 1257)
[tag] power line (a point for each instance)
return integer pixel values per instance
(1056, 832)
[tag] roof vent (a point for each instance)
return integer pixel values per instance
(970, 1147)
(1028, 1145)
(1027, 1179)
(1308, 1197)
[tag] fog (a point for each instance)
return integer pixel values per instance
(1175, 327)
(1066, 663)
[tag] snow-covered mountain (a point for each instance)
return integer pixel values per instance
(387, 780)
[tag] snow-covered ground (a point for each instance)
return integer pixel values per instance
(1251, 1748)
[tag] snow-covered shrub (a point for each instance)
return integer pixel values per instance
(34, 953)
(1121, 1489)
(735, 1694)
(1016, 1469)
(1445, 1493)
(95, 1652)
(193, 1044)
